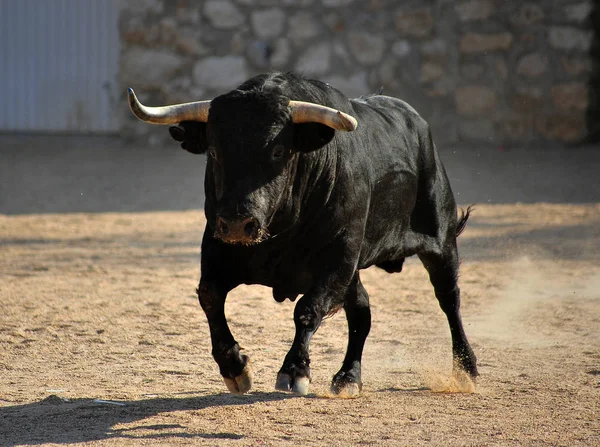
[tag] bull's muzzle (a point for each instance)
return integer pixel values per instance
(245, 230)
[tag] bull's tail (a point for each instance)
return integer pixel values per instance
(462, 220)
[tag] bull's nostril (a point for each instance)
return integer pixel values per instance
(250, 228)
(223, 227)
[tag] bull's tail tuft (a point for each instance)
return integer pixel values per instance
(462, 220)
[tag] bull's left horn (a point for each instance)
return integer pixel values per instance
(190, 111)
(308, 112)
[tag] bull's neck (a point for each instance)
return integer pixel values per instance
(314, 182)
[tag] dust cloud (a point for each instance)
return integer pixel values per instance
(534, 289)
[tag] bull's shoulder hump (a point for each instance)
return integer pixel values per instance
(391, 109)
(385, 102)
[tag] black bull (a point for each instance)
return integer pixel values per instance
(300, 207)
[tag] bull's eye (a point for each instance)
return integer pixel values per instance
(213, 153)
(278, 152)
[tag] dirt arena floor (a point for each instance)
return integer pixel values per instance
(102, 341)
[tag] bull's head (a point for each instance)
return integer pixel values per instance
(251, 138)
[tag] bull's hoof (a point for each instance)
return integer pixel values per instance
(298, 385)
(466, 364)
(345, 386)
(242, 383)
(348, 391)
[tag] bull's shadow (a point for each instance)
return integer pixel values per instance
(82, 420)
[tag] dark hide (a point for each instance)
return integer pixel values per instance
(328, 204)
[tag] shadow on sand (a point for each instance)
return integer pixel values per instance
(56, 421)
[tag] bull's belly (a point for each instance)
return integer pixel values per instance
(389, 250)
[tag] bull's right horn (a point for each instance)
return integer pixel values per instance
(174, 114)
(308, 112)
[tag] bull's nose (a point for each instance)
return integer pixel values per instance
(250, 226)
(223, 225)
(238, 230)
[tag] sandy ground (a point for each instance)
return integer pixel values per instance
(102, 306)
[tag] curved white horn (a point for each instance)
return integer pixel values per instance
(308, 112)
(173, 114)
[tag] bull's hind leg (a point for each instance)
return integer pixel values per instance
(443, 273)
(347, 382)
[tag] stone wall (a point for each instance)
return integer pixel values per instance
(480, 71)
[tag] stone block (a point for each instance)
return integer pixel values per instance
(440, 88)
(565, 127)
(571, 96)
(414, 23)
(430, 71)
(167, 28)
(268, 23)
(138, 7)
(149, 69)
(367, 48)
(334, 21)
(187, 13)
(434, 48)
(187, 42)
(223, 14)
(576, 66)
(315, 60)
(220, 72)
(570, 39)
(275, 2)
(474, 43)
(517, 128)
(300, 3)
(336, 3)
(135, 32)
(401, 48)
(527, 14)
(578, 12)
(302, 26)
(523, 102)
(532, 65)
(473, 100)
(474, 10)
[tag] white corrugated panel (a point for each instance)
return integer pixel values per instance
(58, 65)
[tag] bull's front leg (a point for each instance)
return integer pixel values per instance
(294, 375)
(233, 366)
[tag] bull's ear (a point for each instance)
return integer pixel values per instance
(192, 135)
(311, 136)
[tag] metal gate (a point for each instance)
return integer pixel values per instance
(58, 65)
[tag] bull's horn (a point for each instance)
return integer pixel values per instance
(190, 111)
(308, 112)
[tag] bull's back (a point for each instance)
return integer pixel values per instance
(397, 144)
